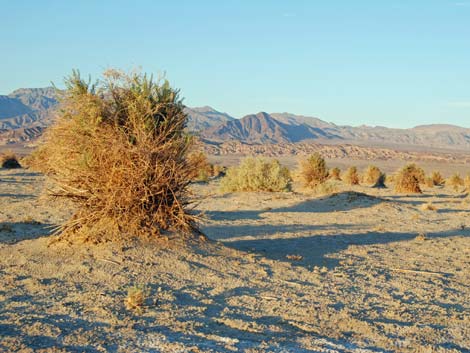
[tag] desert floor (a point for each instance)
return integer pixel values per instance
(281, 272)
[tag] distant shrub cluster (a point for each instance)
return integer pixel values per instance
(120, 152)
(257, 174)
(9, 160)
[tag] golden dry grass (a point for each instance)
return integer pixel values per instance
(466, 183)
(455, 181)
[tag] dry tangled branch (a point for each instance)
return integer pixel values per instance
(119, 151)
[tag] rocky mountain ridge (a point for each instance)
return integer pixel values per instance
(25, 113)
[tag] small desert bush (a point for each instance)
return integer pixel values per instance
(202, 168)
(327, 188)
(335, 174)
(428, 207)
(374, 176)
(466, 183)
(218, 170)
(455, 181)
(429, 182)
(9, 160)
(119, 151)
(135, 299)
(408, 179)
(351, 176)
(437, 178)
(256, 174)
(313, 171)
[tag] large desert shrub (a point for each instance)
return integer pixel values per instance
(256, 174)
(119, 151)
(9, 160)
(374, 176)
(455, 181)
(351, 176)
(407, 180)
(313, 171)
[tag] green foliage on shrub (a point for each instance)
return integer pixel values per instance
(256, 174)
(118, 150)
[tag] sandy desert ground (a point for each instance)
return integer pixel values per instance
(281, 272)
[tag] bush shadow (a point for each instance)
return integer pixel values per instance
(11, 233)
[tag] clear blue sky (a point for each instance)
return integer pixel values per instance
(397, 63)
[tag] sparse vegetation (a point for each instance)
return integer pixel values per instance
(374, 176)
(455, 181)
(351, 176)
(9, 160)
(408, 179)
(256, 174)
(313, 171)
(119, 151)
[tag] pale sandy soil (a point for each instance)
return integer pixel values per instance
(347, 289)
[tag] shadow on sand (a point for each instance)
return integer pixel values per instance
(315, 250)
(11, 233)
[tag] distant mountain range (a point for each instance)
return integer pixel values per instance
(289, 128)
(25, 113)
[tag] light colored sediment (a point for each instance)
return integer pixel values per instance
(358, 281)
